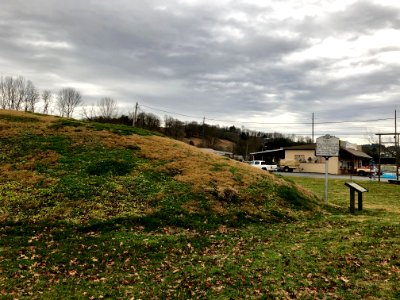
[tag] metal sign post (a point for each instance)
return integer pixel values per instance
(326, 178)
(327, 146)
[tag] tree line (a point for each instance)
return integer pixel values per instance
(21, 94)
(244, 141)
(17, 93)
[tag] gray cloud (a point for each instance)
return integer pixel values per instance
(365, 17)
(232, 61)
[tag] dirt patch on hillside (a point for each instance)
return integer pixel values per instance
(191, 165)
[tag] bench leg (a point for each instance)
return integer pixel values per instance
(360, 204)
(352, 204)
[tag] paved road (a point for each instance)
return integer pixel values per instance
(317, 175)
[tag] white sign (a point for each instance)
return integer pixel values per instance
(327, 146)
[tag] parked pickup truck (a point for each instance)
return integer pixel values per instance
(263, 165)
(366, 171)
(288, 165)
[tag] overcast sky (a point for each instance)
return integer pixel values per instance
(249, 63)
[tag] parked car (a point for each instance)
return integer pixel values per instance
(261, 164)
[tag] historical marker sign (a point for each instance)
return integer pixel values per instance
(327, 146)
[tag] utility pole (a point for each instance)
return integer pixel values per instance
(396, 144)
(135, 115)
(312, 128)
(379, 158)
(204, 122)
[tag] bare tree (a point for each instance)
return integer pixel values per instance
(3, 103)
(18, 93)
(104, 110)
(32, 96)
(10, 92)
(107, 107)
(68, 99)
(20, 85)
(47, 97)
(89, 112)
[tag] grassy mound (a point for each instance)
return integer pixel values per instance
(55, 169)
(94, 211)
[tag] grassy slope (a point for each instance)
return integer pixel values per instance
(92, 211)
(55, 169)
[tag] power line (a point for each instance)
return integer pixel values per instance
(269, 123)
(174, 113)
(364, 121)
(287, 125)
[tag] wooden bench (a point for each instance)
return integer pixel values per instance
(354, 187)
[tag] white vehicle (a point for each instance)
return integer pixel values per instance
(263, 165)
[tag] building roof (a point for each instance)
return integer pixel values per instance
(357, 153)
(298, 147)
(268, 151)
(302, 147)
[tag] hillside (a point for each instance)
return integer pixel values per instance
(93, 211)
(59, 169)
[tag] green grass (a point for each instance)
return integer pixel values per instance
(21, 119)
(61, 123)
(80, 219)
(336, 255)
(121, 129)
(381, 200)
(114, 128)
